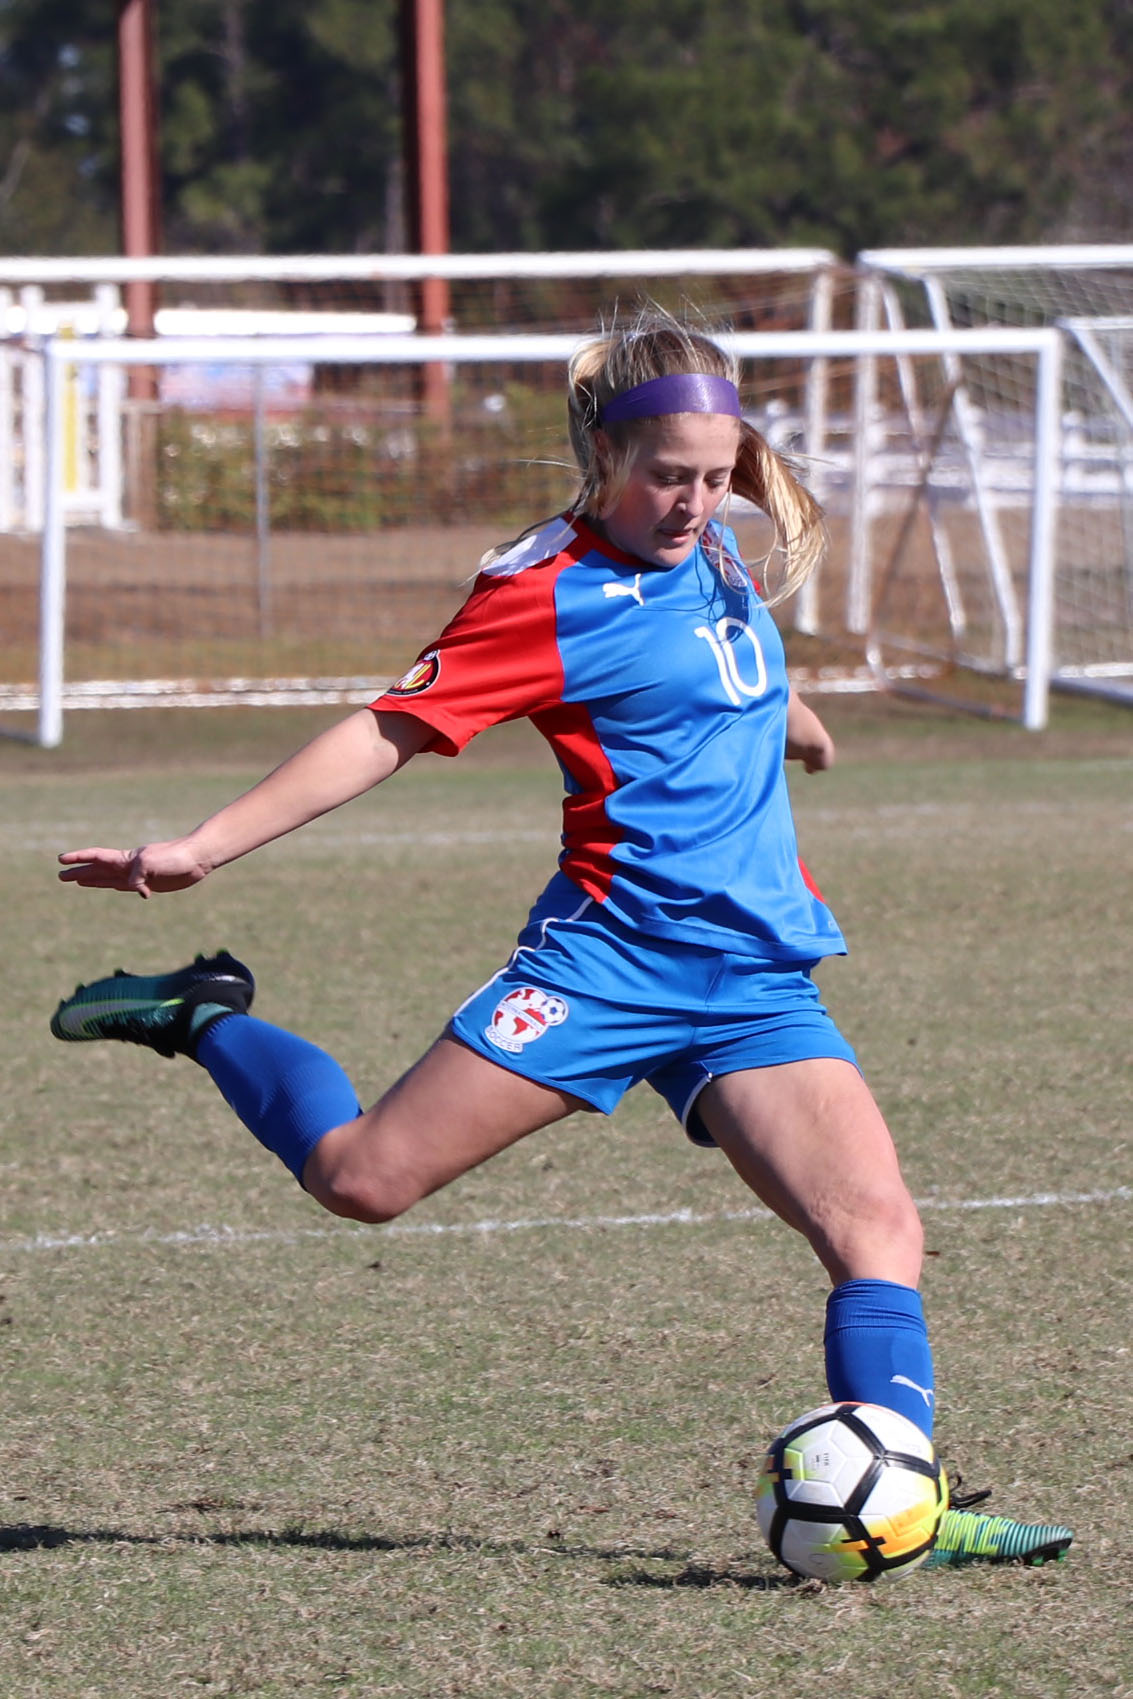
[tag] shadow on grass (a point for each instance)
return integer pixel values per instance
(42, 1536)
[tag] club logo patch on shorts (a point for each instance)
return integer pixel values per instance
(523, 1016)
(420, 676)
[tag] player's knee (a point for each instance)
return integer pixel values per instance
(898, 1219)
(359, 1193)
(361, 1176)
(892, 1227)
(360, 1201)
(875, 1232)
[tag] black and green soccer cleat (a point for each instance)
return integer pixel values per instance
(967, 1537)
(167, 1012)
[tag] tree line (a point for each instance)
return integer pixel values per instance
(575, 124)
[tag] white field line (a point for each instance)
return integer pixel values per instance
(210, 1236)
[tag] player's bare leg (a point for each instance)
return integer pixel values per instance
(451, 1111)
(808, 1138)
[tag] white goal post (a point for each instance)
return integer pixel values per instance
(840, 442)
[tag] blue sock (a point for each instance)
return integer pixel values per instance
(286, 1091)
(877, 1349)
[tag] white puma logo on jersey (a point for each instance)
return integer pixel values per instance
(926, 1392)
(616, 588)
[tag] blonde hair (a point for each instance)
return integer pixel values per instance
(656, 344)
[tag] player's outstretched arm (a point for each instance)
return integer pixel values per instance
(341, 763)
(808, 740)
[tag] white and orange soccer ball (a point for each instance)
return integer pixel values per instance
(849, 1492)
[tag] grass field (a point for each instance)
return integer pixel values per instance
(506, 1447)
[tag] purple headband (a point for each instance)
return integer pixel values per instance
(684, 392)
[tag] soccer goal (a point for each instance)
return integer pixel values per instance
(311, 526)
(1085, 294)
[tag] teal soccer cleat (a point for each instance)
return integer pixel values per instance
(967, 1537)
(166, 1012)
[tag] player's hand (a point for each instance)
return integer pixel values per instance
(808, 740)
(817, 754)
(145, 872)
(815, 749)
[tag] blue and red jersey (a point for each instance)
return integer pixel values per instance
(663, 693)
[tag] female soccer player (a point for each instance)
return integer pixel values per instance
(676, 941)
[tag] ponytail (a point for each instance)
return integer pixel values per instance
(763, 476)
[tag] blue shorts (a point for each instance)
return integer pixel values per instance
(590, 1007)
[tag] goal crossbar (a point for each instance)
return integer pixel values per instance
(398, 350)
(918, 262)
(409, 268)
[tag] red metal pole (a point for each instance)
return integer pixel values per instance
(138, 132)
(137, 119)
(427, 160)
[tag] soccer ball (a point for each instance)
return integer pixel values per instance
(849, 1492)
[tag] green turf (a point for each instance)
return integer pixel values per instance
(250, 1450)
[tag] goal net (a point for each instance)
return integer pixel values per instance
(1086, 295)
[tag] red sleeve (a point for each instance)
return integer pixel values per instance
(497, 659)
